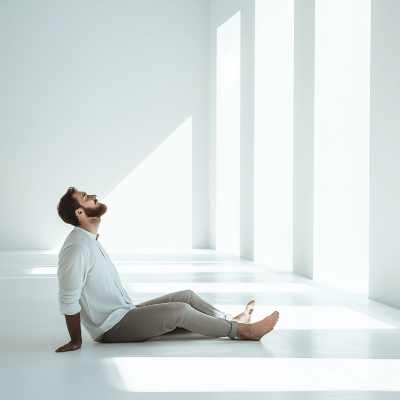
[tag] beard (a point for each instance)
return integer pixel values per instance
(96, 212)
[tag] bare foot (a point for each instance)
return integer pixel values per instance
(257, 330)
(245, 317)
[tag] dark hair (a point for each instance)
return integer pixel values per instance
(67, 206)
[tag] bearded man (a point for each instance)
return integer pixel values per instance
(91, 292)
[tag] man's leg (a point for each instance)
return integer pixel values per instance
(145, 322)
(191, 298)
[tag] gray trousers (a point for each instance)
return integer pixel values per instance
(184, 309)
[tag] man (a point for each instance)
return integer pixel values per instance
(90, 291)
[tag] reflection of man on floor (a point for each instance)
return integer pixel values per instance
(89, 286)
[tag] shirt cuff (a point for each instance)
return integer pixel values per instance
(70, 310)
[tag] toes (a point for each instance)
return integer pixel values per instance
(275, 314)
(251, 304)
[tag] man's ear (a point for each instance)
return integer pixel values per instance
(78, 212)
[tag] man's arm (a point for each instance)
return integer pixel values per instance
(74, 329)
(72, 265)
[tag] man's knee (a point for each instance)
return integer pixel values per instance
(181, 308)
(189, 292)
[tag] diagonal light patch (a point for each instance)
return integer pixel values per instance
(152, 206)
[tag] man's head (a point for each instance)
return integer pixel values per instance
(76, 207)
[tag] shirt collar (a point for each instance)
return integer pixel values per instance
(90, 234)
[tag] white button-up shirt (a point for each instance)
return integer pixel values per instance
(89, 283)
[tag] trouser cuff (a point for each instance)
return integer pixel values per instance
(234, 329)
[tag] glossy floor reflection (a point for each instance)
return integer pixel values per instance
(284, 374)
(328, 344)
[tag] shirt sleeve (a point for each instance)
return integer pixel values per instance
(72, 271)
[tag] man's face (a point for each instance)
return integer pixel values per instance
(90, 205)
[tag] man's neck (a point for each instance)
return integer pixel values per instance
(91, 225)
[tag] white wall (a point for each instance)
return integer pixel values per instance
(221, 11)
(88, 90)
(385, 153)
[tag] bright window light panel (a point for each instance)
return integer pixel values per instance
(228, 136)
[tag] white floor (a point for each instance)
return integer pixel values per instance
(328, 344)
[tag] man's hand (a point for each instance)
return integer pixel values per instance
(71, 346)
(74, 329)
